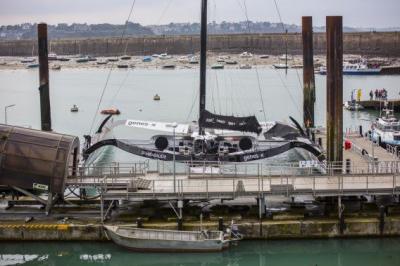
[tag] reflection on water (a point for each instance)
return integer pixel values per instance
(350, 252)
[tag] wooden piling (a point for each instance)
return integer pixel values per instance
(334, 80)
(44, 77)
(308, 73)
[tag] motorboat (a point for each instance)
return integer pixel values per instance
(52, 57)
(246, 55)
(82, 59)
(386, 128)
(122, 66)
(56, 67)
(280, 66)
(353, 106)
(231, 62)
(193, 60)
(27, 60)
(169, 66)
(147, 59)
(156, 97)
(217, 66)
(33, 65)
(264, 56)
(74, 108)
(285, 57)
(164, 56)
(102, 62)
(245, 66)
(354, 69)
(126, 57)
(156, 240)
(113, 59)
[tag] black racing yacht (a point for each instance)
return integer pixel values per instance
(212, 138)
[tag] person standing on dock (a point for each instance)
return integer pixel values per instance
(376, 94)
(371, 95)
(358, 95)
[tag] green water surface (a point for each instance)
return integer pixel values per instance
(338, 252)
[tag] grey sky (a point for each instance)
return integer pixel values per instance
(357, 13)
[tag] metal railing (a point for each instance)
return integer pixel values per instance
(238, 187)
(225, 169)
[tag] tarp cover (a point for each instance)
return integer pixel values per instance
(244, 124)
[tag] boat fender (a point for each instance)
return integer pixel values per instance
(245, 143)
(161, 143)
(364, 152)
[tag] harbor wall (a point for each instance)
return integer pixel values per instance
(384, 44)
(252, 229)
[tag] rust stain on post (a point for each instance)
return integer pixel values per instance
(44, 77)
(308, 73)
(334, 94)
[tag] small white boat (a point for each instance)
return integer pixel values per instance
(283, 57)
(353, 106)
(245, 66)
(74, 108)
(386, 128)
(52, 56)
(217, 66)
(168, 240)
(193, 60)
(56, 67)
(246, 55)
(165, 56)
(126, 57)
(280, 66)
(102, 62)
(27, 60)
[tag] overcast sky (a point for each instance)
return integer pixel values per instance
(356, 13)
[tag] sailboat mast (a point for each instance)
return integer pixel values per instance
(203, 61)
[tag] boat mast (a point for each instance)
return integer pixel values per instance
(203, 61)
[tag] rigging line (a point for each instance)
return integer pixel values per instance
(287, 89)
(111, 69)
(217, 89)
(195, 93)
(163, 12)
(120, 87)
(279, 15)
(255, 63)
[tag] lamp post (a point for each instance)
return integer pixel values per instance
(174, 125)
(5, 112)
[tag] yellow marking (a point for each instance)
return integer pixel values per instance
(63, 227)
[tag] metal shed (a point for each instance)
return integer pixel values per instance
(33, 159)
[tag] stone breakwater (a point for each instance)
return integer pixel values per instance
(386, 44)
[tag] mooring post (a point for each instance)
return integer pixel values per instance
(220, 224)
(45, 113)
(381, 219)
(341, 216)
(334, 94)
(308, 73)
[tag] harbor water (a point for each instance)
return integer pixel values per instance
(336, 252)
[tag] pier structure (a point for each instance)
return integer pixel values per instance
(308, 73)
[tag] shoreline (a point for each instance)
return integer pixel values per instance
(178, 62)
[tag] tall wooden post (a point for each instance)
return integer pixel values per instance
(203, 61)
(334, 94)
(308, 73)
(44, 78)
